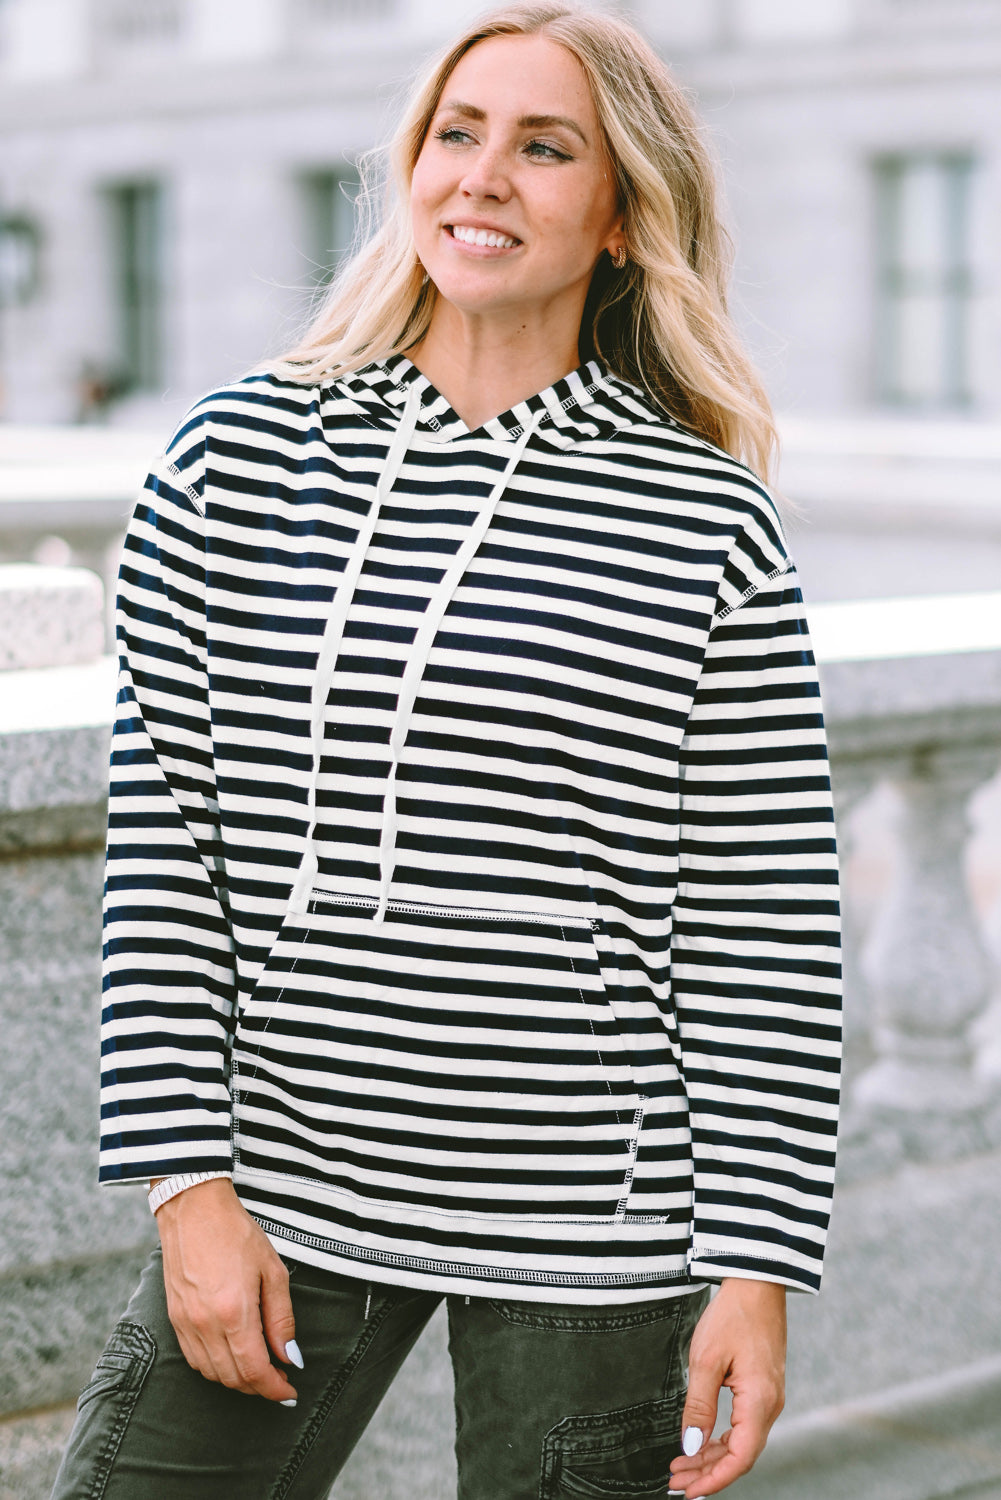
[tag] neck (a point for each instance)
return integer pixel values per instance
(482, 371)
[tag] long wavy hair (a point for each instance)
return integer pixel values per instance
(662, 323)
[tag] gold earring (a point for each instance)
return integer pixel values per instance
(619, 258)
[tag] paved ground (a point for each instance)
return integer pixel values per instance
(937, 1439)
(406, 1454)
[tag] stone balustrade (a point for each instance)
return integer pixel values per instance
(913, 699)
(68, 1254)
(66, 494)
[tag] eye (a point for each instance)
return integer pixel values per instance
(452, 135)
(546, 151)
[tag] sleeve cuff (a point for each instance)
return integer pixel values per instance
(719, 1264)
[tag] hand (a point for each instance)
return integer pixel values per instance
(739, 1342)
(227, 1290)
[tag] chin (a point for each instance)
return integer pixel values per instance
(473, 298)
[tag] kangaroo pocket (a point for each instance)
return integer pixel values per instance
(449, 1059)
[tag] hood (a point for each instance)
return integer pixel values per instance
(588, 405)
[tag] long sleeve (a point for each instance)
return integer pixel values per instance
(168, 952)
(755, 957)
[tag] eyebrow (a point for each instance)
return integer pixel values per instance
(526, 122)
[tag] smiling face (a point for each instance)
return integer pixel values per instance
(513, 197)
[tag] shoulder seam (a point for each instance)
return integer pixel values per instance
(755, 588)
(192, 494)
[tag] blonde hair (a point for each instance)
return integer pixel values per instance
(662, 323)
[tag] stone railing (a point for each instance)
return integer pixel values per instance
(66, 494)
(913, 701)
(913, 697)
(68, 1254)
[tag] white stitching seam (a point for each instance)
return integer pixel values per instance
(274, 1003)
(460, 1268)
(191, 493)
(634, 1145)
(755, 588)
(590, 1024)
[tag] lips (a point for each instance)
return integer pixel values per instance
(467, 234)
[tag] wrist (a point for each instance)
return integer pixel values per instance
(163, 1189)
(751, 1289)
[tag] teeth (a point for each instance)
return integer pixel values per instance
(469, 236)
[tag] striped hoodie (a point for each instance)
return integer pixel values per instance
(472, 889)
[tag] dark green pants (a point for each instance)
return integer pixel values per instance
(552, 1400)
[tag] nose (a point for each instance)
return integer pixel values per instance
(486, 177)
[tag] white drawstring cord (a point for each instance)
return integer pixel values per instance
(417, 659)
(333, 635)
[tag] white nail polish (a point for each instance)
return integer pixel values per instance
(691, 1441)
(290, 1402)
(293, 1355)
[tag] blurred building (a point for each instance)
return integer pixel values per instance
(176, 180)
(861, 142)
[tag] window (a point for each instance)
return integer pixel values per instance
(923, 279)
(350, 12)
(136, 211)
(138, 23)
(330, 196)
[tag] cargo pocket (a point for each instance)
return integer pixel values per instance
(624, 1454)
(104, 1410)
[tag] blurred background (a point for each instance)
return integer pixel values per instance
(177, 183)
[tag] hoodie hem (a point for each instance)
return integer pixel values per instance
(466, 1278)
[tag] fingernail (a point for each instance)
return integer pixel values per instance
(691, 1441)
(290, 1402)
(293, 1355)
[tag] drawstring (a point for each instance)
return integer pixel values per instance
(333, 634)
(413, 672)
(418, 657)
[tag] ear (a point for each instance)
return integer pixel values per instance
(616, 240)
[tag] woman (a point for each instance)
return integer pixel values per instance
(471, 894)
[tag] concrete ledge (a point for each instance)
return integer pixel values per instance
(907, 676)
(58, 698)
(871, 474)
(926, 1440)
(49, 616)
(77, 828)
(55, 724)
(53, 768)
(932, 625)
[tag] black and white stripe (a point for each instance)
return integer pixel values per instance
(556, 1006)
